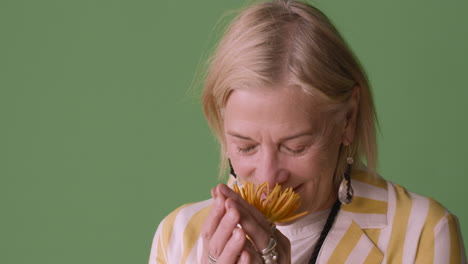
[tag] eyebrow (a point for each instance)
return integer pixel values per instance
(234, 134)
(300, 134)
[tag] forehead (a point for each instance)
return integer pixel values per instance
(282, 107)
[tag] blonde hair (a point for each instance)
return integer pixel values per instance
(270, 42)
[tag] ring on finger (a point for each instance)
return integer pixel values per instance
(211, 259)
(269, 254)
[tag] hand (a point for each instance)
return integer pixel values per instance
(225, 241)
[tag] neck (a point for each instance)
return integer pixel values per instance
(328, 202)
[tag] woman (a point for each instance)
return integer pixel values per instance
(290, 105)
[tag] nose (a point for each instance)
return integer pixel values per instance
(269, 169)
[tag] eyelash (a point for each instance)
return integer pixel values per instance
(245, 150)
(292, 151)
(296, 152)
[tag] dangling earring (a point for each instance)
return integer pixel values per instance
(231, 170)
(345, 192)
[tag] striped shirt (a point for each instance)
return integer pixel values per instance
(383, 224)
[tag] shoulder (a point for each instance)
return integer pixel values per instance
(179, 232)
(423, 211)
(186, 212)
(417, 211)
(420, 229)
(413, 228)
(395, 198)
(185, 220)
(429, 228)
(417, 205)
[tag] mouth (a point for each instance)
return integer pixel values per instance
(298, 188)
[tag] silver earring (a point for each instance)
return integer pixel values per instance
(345, 192)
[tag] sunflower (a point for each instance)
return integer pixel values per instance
(278, 206)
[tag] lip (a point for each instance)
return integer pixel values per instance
(298, 188)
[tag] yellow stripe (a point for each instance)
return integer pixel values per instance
(425, 253)
(365, 177)
(455, 247)
(192, 231)
(373, 235)
(160, 258)
(400, 222)
(374, 255)
(165, 235)
(346, 244)
(365, 206)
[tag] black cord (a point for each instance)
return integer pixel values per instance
(231, 170)
(325, 231)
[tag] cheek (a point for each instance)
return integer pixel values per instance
(241, 163)
(307, 166)
(319, 160)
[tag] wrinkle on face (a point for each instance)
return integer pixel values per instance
(263, 119)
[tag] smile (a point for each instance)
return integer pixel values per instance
(298, 188)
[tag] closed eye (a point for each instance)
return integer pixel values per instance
(296, 151)
(245, 150)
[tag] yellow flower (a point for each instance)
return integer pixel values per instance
(277, 206)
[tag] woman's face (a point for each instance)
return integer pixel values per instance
(279, 135)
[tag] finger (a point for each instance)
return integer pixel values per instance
(228, 193)
(214, 193)
(244, 257)
(259, 233)
(215, 215)
(233, 247)
(283, 247)
(251, 253)
(217, 189)
(223, 232)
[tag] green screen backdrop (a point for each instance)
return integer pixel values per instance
(102, 133)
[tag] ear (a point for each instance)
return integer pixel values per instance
(351, 116)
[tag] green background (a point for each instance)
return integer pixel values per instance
(102, 134)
